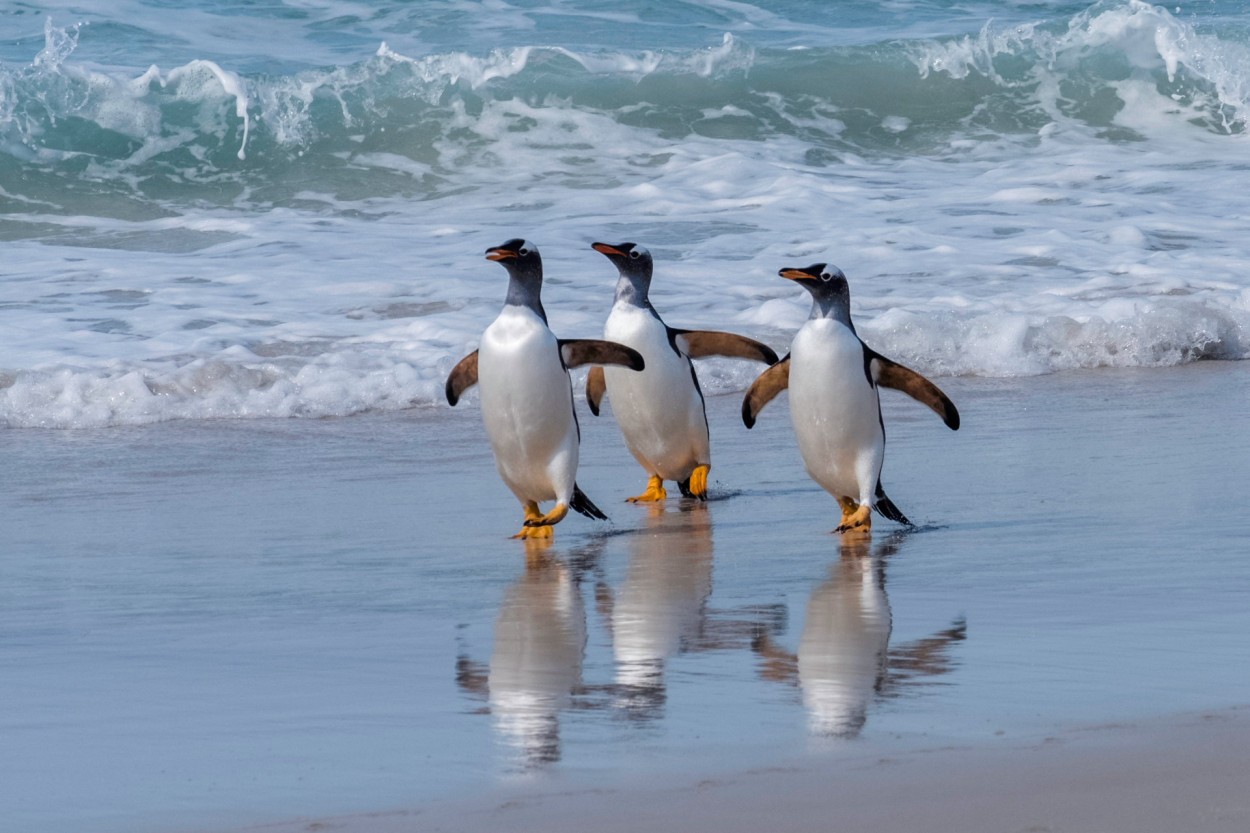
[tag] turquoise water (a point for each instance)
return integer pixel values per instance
(234, 210)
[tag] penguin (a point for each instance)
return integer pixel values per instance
(521, 369)
(661, 410)
(835, 406)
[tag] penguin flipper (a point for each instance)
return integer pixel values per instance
(891, 374)
(764, 389)
(698, 344)
(579, 351)
(596, 386)
(463, 376)
(581, 503)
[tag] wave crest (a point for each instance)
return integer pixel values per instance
(1120, 61)
(1120, 65)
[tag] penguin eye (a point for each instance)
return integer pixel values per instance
(524, 251)
(826, 277)
(634, 254)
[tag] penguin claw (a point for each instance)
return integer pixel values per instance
(855, 518)
(655, 492)
(556, 515)
(698, 481)
(538, 526)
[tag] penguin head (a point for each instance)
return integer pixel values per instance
(519, 257)
(632, 261)
(831, 295)
(525, 272)
(818, 279)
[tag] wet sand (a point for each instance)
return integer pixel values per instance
(1187, 772)
(321, 624)
(1086, 483)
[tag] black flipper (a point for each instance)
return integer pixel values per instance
(579, 351)
(698, 344)
(891, 374)
(581, 503)
(596, 387)
(463, 376)
(764, 389)
(886, 508)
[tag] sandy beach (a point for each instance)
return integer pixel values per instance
(321, 624)
(1187, 772)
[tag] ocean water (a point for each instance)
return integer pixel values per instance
(219, 215)
(234, 209)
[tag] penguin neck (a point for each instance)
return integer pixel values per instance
(833, 308)
(525, 290)
(633, 293)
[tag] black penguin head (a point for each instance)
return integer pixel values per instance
(525, 272)
(831, 295)
(632, 261)
(517, 256)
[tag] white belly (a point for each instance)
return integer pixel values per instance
(527, 406)
(835, 411)
(659, 409)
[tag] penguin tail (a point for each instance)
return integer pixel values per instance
(684, 485)
(584, 505)
(886, 508)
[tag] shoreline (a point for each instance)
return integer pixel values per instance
(1186, 772)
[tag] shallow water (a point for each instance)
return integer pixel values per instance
(216, 624)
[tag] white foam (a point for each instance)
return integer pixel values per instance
(454, 67)
(1145, 38)
(189, 81)
(997, 254)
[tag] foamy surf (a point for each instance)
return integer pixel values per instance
(197, 240)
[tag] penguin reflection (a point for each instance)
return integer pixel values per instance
(843, 661)
(536, 667)
(660, 609)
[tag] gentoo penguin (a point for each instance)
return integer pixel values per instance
(660, 411)
(833, 379)
(527, 398)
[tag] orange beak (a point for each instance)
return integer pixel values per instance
(795, 274)
(500, 254)
(605, 249)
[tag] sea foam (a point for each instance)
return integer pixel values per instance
(196, 241)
